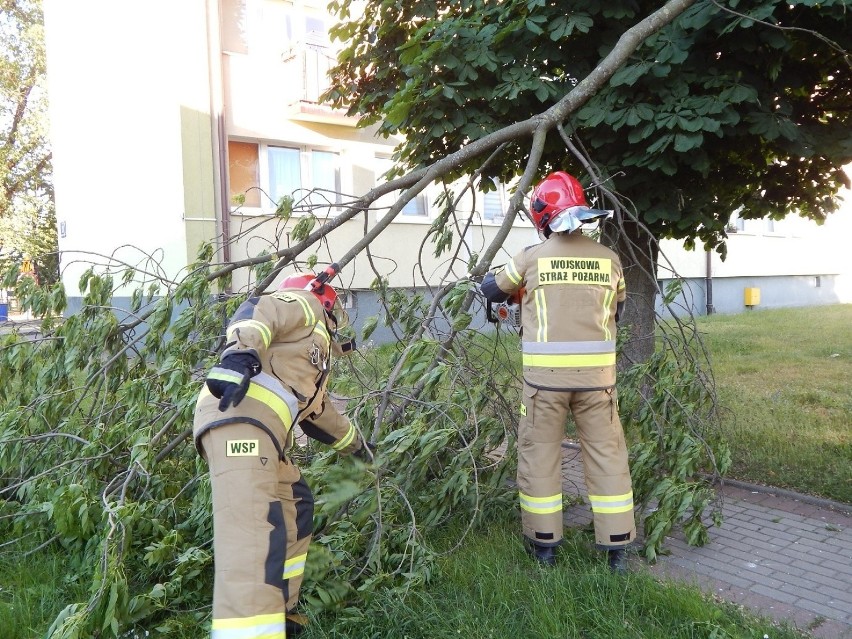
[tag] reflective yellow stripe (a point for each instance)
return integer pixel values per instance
(322, 331)
(258, 392)
(523, 410)
(347, 439)
(310, 318)
(541, 314)
(512, 272)
(612, 503)
(621, 285)
(541, 505)
(278, 405)
(224, 375)
(257, 627)
(607, 313)
(295, 566)
(260, 327)
(568, 361)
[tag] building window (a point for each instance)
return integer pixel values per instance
(494, 203)
(417, 206)
(280, 171)
(244, 173)
(285, 172)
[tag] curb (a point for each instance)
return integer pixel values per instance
(820, 502)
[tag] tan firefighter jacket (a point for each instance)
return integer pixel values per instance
(291, 335)
(572, 286)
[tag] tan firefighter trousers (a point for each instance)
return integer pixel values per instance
(262, 527)
(540, 435)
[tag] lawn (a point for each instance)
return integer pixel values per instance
(784, 379)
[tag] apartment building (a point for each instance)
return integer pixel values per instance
(175, 123)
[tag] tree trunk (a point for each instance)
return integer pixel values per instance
(638, 251)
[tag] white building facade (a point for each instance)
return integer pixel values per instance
(175, 123)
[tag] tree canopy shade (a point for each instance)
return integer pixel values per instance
(734, 106)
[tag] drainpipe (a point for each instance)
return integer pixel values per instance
(219, 137)
(708, 282)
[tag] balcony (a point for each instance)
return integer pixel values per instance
(307, 66)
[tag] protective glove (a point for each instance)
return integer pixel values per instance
(362, 453)
(229, 381)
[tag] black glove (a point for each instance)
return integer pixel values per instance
(229, 381)
(362, 453)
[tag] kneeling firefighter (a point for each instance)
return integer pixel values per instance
(271, 375)
(573, 291)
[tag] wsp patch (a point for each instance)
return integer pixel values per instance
(241, 448)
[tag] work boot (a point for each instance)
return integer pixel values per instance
(294, 624)
(545, 555)
(617, 559)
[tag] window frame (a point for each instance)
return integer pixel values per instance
(423, 200)
(306, 178)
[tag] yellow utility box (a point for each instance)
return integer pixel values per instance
(752, 296)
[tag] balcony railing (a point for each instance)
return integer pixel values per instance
(307, 65)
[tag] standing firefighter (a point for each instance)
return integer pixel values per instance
(271, 375)
(573, 291)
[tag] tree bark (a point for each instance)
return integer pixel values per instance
(638, 250)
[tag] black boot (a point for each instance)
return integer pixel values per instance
(294, 624)
(617, 559)
(545, 555)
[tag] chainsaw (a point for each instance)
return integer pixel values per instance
(508, 312)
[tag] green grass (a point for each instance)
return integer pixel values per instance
(33, 590)
(493, 590)
(486, 588)
(784, 379)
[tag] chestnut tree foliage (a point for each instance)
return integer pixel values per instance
(96, 458)
(733, 106)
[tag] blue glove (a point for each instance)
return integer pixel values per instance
(229, 381)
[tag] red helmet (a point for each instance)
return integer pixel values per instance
(555, 194)
(308, 282)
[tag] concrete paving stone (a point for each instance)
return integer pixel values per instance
(829, 542)
(829, 612)
(823, 591)
(830, 629)
(747, 557)
(702, 572)
(778, 535)
(784, 558)
(803, 525)
(842, 566)
(762, 539)
(842, 545)
(776, 593)
(820, 535)
(721, 570)
(794, 551)
(798, 584)
(825, 569)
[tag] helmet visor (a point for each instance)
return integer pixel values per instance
(571, 218)
(339, 314)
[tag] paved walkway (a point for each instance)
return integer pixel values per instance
(783, 556)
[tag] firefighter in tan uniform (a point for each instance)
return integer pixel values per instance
(572, 292)
(272, 375)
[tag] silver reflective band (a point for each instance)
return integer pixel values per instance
(568, 348)
(274, 386)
